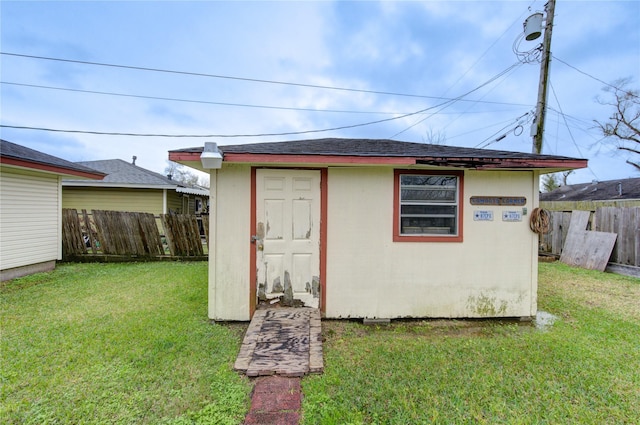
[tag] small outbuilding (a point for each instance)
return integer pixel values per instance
(31, 208)
(372, 228)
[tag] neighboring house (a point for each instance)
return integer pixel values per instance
(128, 187)
(590, 196)
(31, 208)
(373, 228)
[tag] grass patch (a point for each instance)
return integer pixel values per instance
(583, 369)
(119, 344)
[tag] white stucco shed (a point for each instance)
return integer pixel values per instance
(373, 228)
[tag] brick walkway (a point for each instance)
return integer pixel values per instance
(275, 400)
(281, 345)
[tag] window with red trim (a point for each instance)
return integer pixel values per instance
(428, 206)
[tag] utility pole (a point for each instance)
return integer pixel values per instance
(541, 107)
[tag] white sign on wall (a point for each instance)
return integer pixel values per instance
(511, 216)
(483, 215)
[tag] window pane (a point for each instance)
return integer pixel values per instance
(434, 195)
(449, 210)
(422, 180)
(427, 226)
(428, 205)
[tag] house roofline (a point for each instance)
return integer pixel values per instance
(50, 168)
(457, 162)
(81, 183)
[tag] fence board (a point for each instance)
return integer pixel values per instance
(558, 230)
(150, 234)
(183, 235)
(205, 224)
(72, 241)
(90, 232)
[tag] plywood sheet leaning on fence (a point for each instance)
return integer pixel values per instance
(586, 249)
(626, 223)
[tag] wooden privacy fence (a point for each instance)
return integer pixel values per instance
(132, 234)
(625, 222)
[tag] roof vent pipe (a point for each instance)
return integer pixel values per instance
(619, 188)
(134, 160)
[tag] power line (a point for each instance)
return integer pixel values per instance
(289, 133)
(171, 99)
(595, 78)
(243, 105)
(518, 122)
(569, 130)
(260, 134)
(228, 77)
(452, 101)
(466, 72)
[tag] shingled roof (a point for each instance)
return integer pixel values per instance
(120, 173)
(21, 156)
(423, 153)
(596, 191)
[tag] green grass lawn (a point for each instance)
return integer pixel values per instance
(584, 369)
(130, 344)
(119, 344)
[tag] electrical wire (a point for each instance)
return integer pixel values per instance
(553, 90)
(228, 77)
(597, 79)
(452, 101)
(488, 48)
(289, 133)
(171, 99)
(421, 111)
(519, 122)
(466, 72)
(466, 111)
(243, 105)
(530, 56)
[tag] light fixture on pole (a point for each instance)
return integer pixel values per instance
(211, 156)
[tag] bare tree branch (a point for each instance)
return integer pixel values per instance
(623, 126)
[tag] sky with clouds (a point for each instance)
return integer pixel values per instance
(242, 69)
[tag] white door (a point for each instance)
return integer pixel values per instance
(288, 236)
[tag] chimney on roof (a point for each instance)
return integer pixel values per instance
(619, 188)
(134, 160)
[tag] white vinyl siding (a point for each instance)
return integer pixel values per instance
(29, 218)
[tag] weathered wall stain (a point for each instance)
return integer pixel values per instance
(486, 306)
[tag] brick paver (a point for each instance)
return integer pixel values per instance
(275, 400)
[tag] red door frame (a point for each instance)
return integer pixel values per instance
(253, 271)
